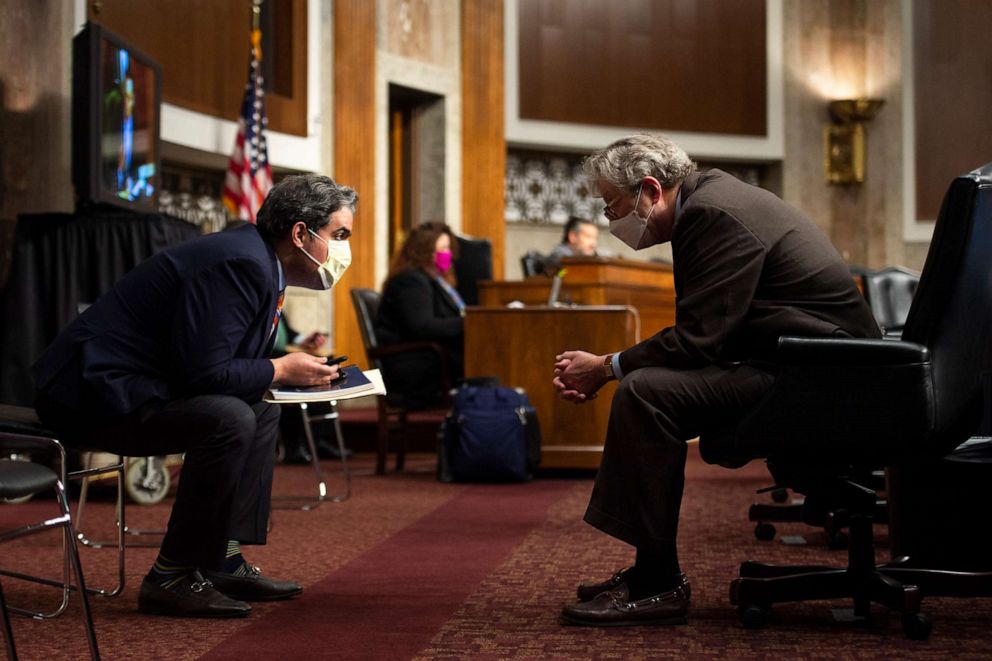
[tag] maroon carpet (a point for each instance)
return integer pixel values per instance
(409, 568)
(388, 603)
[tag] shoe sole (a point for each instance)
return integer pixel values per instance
(149, 610)
(251, 597)
(573, 622)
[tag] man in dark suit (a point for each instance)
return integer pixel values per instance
(748, 269)
(175, 358)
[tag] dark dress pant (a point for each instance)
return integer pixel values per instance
(225, 487)
(638, 491)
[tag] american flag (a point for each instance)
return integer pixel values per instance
(249, 175)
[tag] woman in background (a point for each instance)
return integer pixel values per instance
(419, 302)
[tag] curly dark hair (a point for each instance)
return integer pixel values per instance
(417, 251)
(307, 197)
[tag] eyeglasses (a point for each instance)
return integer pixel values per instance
(608, 210)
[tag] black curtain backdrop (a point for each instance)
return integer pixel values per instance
(59, 261)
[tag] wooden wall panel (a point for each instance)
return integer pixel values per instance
(953, 91)
(354, 155)
(203, 50)
(583, 61)
(483, 135)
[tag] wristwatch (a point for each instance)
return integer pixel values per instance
(608, 367)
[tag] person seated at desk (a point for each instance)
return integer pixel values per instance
(579, 239)
(175, 359)
(748, 269)
(420, 303)
(291, 434)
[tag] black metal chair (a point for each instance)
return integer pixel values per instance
(22, 433)
(393, 413)
(840, 409)
(19, 479)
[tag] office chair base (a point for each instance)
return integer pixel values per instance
(755, 596)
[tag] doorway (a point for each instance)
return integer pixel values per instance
(416, 161)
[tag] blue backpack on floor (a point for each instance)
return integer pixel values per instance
(490, 435)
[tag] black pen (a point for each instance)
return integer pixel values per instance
(337, 361)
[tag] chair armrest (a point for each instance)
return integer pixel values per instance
(849, 351)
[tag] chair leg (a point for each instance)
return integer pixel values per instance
(120, 515)
(71, 564)
(383, 436)
(302, 502)
(70, 539)
(401, 445)
(345, 471)
(8, 631)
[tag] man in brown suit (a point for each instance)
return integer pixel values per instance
(748, 269)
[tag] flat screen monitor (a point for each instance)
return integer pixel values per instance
(116, 117)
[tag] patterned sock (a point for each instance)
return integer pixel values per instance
(234, 562)
(167, 573)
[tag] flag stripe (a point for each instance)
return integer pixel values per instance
(249, 174)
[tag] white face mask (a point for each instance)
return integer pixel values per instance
(337, 262)
(632, 229)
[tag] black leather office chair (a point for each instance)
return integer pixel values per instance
(533, 263)
(392, 410)
(889, 293)
(474, 263)
(840, 409)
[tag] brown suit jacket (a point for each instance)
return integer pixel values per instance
(748, 269)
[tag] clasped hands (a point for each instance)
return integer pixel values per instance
(578, 375)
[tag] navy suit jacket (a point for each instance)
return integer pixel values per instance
(192, 320)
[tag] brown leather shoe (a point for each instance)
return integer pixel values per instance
(193, 596)
(611, 609)
(618, 583)
(253, 586)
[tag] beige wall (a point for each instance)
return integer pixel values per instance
(865, 222)
(838, 49)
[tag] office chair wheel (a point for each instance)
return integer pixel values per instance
(753, 616)
(147, 480)
(764, 531)
(916, 626)
(780, 495)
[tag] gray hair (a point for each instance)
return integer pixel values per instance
(307, 197)
(626, 162)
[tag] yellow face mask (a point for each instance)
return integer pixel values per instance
(338, 260)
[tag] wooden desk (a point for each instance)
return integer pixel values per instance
(519, 347)
(647, 286)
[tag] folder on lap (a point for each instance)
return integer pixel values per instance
(353, 383)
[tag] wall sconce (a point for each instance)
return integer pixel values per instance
(844, 139)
